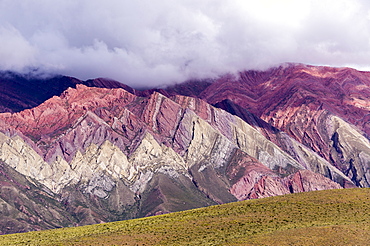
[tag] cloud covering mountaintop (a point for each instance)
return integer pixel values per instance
(146, 43)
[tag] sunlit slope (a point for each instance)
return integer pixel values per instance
(332, 217)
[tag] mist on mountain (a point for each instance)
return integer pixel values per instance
(147, 44)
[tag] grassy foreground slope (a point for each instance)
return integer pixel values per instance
(332, 217)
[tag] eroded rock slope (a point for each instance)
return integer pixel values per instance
(323, 109)
(109, 154)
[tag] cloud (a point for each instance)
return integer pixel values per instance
(15, 52)
(151, 43)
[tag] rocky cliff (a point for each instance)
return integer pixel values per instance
(112, 153)
(325, 109)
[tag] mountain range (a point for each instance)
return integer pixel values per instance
(78, 152)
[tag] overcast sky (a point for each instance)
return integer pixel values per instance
(156, 42)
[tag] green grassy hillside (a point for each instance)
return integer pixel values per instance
(333, 217)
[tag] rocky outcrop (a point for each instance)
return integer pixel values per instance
(258, 185)
(250, 179)
(294, 106)
(112, 154)
(349, 150)
(26, 205)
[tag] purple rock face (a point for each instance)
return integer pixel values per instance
(112, 153)
(304, 102)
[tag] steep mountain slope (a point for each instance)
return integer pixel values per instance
(27, 206)
(108, 154)
(325, 109)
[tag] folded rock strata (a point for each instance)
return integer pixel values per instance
(105, 154)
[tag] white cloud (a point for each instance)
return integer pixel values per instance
(15, 51)
(145, 43)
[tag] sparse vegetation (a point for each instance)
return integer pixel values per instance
(332, 217)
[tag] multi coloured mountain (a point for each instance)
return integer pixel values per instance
(81, 152)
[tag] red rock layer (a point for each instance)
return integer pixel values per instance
(273, 93)
(63, 125)
(200, 155)
(299, 100)
(22, 91)
(250, 180)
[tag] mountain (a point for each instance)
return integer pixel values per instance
(110, 152)
(23, 91)
(326, 109)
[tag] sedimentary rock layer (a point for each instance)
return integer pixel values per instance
(305, 103)
(104, 154)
